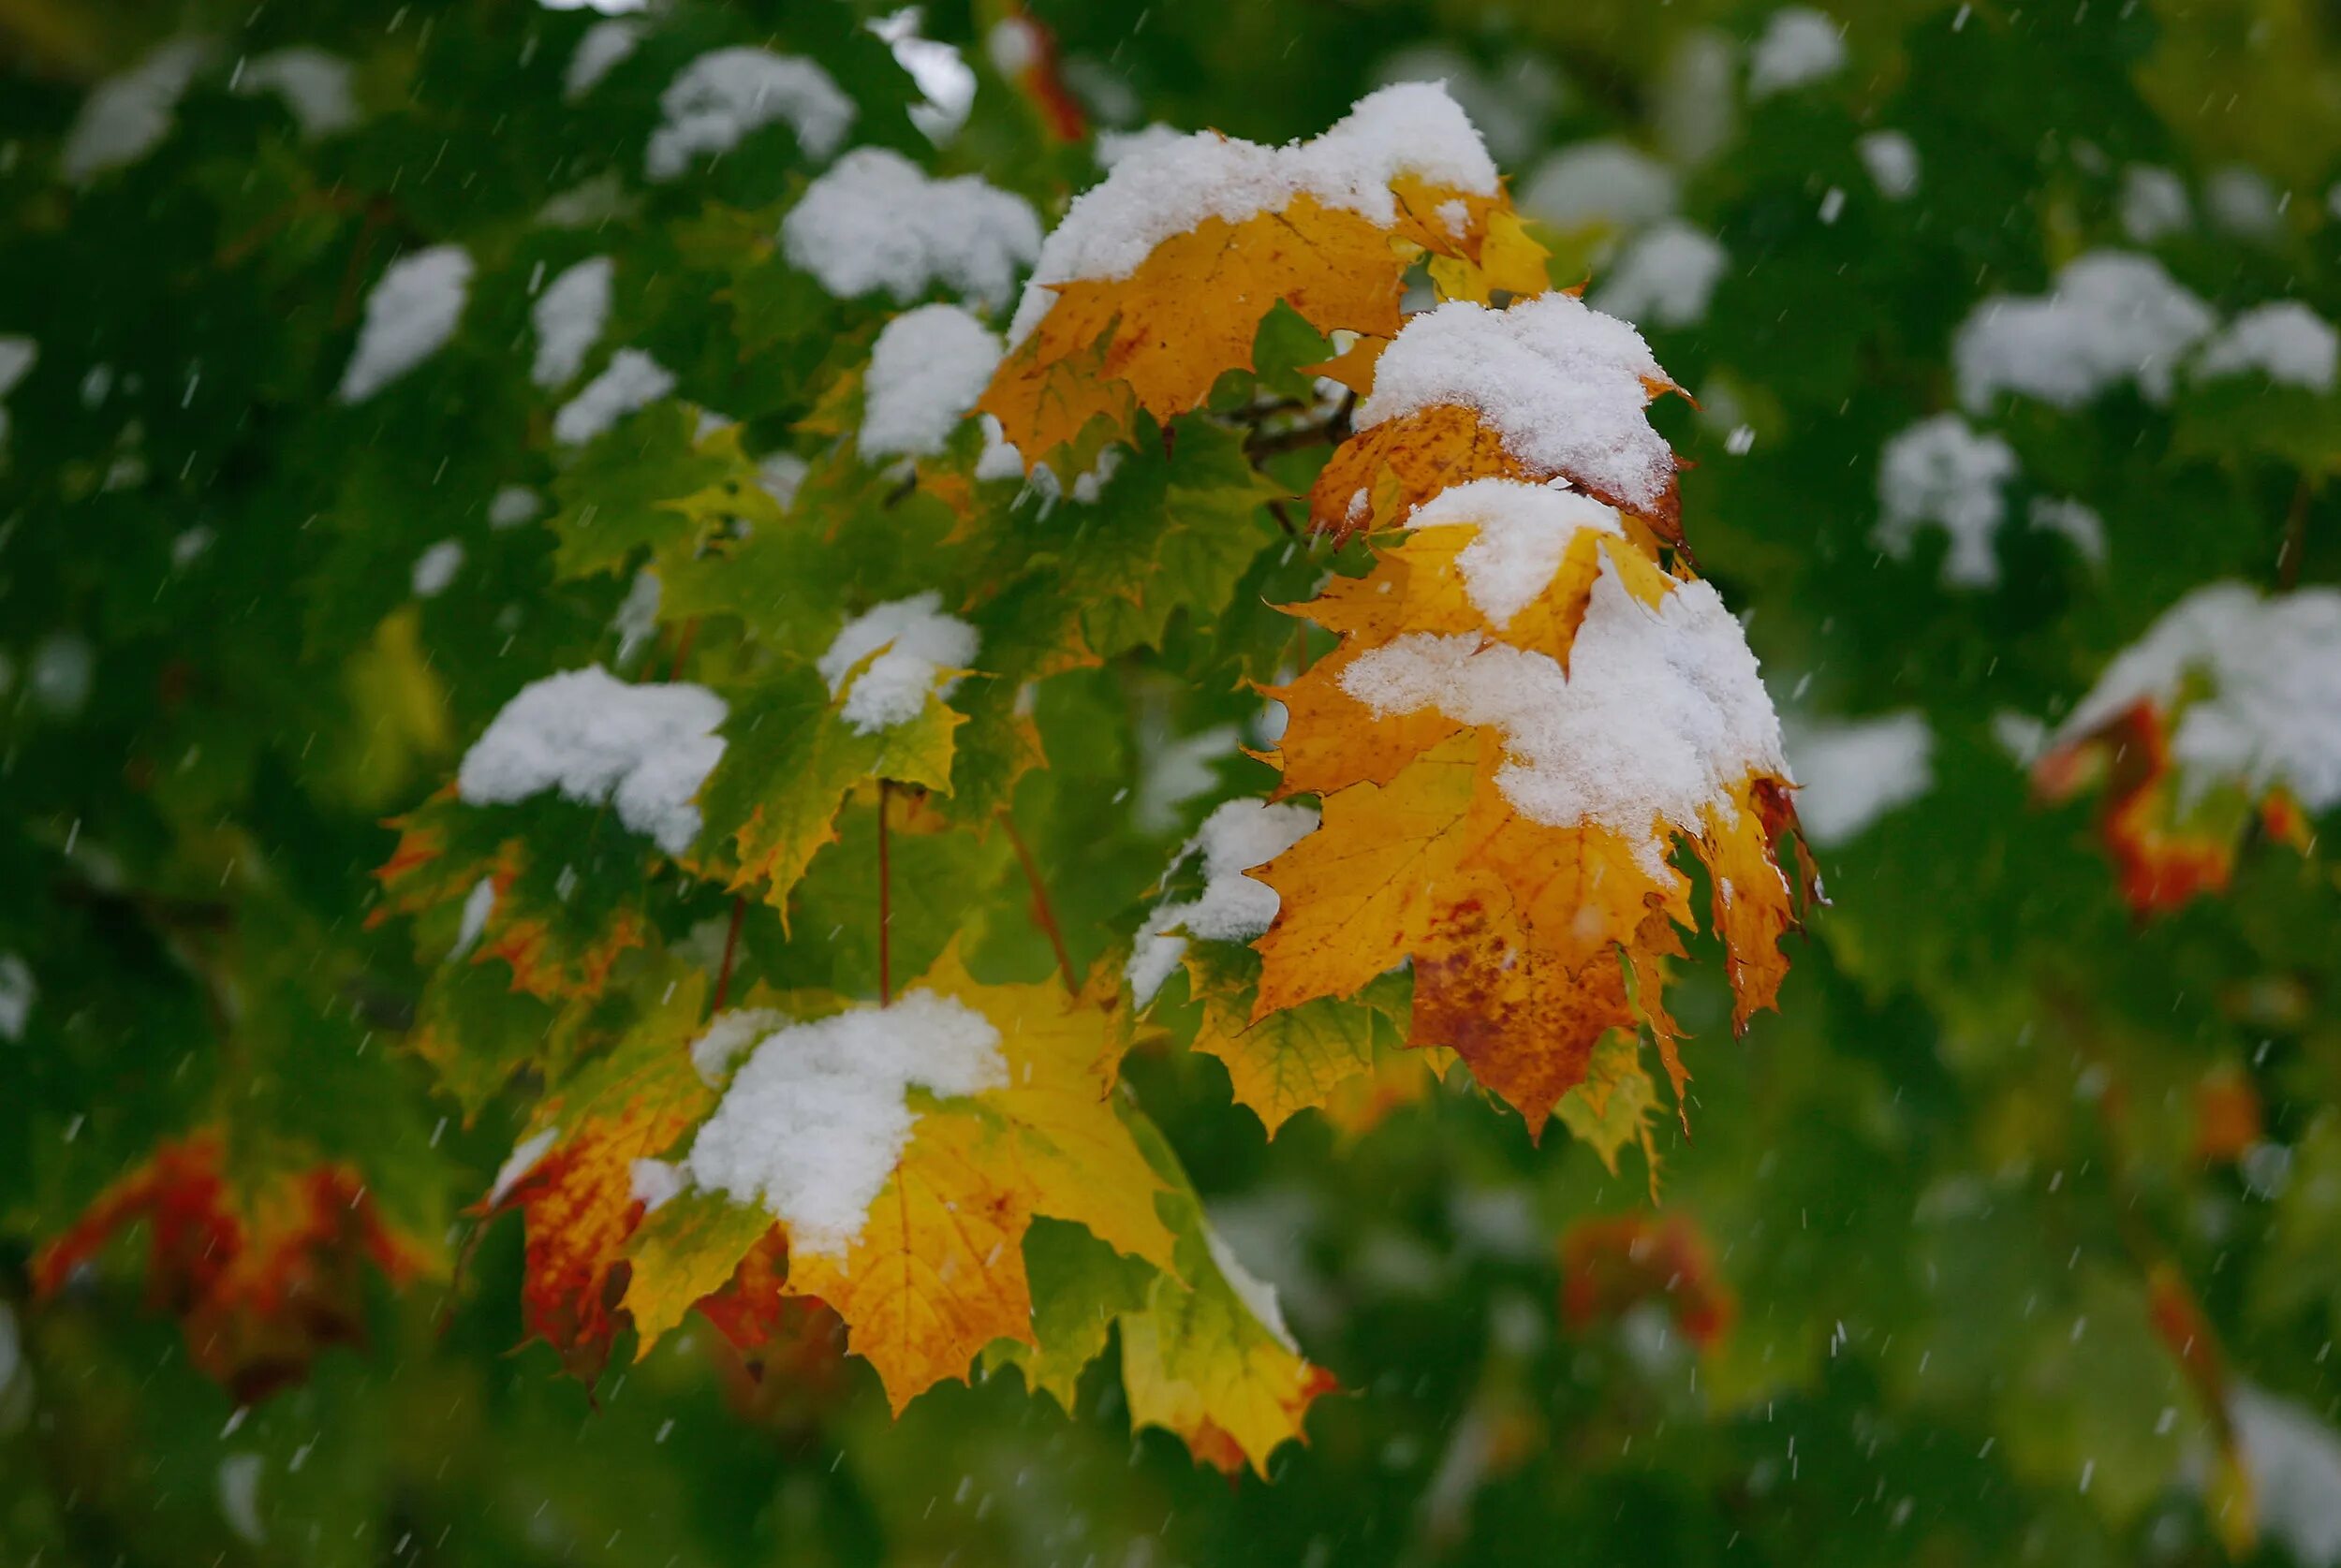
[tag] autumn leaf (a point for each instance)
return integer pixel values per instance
(1612, 1263)
(791, 760)
(686, 1251)
(2181, 733)
(1614, 1105)
(1133, 318)
(2166, 849)
(1209, 1357)
(576, 1184)
(1547, 390)
(1524, 716)
(937, 1273)
(933, 1274)
(261, 1279)
(477, 892)
(1296, 1058)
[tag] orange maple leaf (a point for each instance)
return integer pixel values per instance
(1455, 399)
(445, 851)
(2163, 859)
(1121, 317)
(935, 1272)
(261, 1280)
(1524, 714)
(1612, 1263)
(2178, 731)
(575, 1184)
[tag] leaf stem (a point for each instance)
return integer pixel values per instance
(2295, 537)
(682, 648)
(1043, 915)
(886, 899)
(731, 948)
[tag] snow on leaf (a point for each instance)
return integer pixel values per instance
(2112, 317)
(125, 117)
(720, 98)
(875, 222)
(1156, 281)
(2227, 709)
(644, 749)
(1525, 715)
(568, 317)
(411, 314)
(1547, 390)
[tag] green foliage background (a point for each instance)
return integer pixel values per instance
(1936, 1233)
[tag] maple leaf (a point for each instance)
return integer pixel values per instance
(261, 1280)
(1318, 1054)
(663, 489)
(576, 1185)
(2197, 733)
(1545, 389)
(1613, 1106)
(1523, 715)
(688, 1249)
(1208, 1358)
(2168, 847)
(936, 1273)
(791, 760)
(468, 877)
(1155, 325)
(1612, 1263)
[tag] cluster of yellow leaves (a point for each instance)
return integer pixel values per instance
(1158, 338)
(1529, 943)
(938, 1275)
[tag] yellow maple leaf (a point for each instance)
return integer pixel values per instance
(938, 1270)
(936, 1273)
(1208, 1358)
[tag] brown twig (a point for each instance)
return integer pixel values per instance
(1043, 915)
(731, 946)
(886, 898)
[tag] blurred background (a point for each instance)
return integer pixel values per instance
(2014, 1237)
